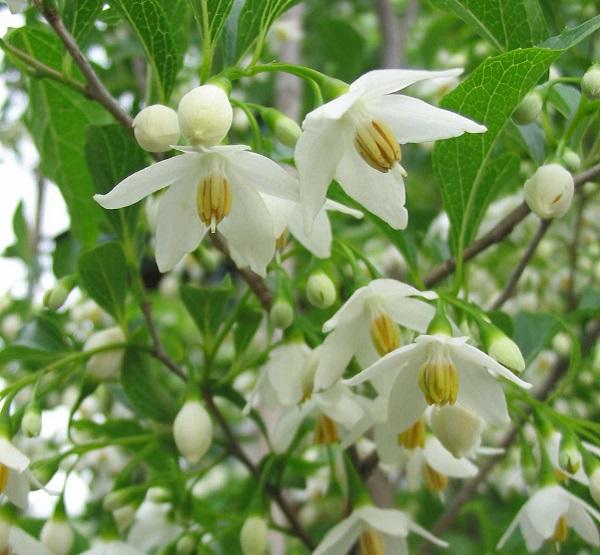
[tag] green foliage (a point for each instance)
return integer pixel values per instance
(79, 17)
(212, 14)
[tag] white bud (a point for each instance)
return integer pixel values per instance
(156, 128)
(569, 458)
(186, 545)
(503, 349)
(253, 537)
(57, 536)
(106, 364)
(571, 160)
(549, 191)
(590, 82)
(124, 516)
(457, 428)
(282, 314)
(595, 485)
(320, 290)
(31, 424)
(159, 494)
(205, 115)
(528, 109)
(192, 430)
(56, 296)
(562, 344)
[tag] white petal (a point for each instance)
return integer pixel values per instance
(286, 372)
(11, 456)
(384, 81)
(17, 489)
(387, 287)
(511, 528)
(480, 358)
(444, 462)
(343, 209)
(397, 546)
(415, 121)
(149, 180)
(351, 309)
(262, 174)
(380, 193)
(286, 428)
(414, 527)
(339, 404)
(386, 441)
(281, 211)
(332, 110)
(533, 539)
(388, 521)
(583, 524)
(318, 241)
(406, 402)
(365, 354)
(340, 538)
(544, 509)
(318, 152)
(178, 228)
(249, 228)
(24, 544)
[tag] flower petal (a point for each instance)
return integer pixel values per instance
(339, 404)
(351, 309)
(444, 462)
(11, 456)
(149, 180)
(318, 241)
(583, 524)
(281, 211)
(406, 403)
(386, 442)
(415, 121)
(332, 110)
(286, 372)
(380, 193)
(249, 228)
(286, 428)
(414, 527)
(340, 538)
(388, 521)
(385, 81)
(545, 507)
(343, 209)
(178, 227)
(17, 489)
(24, 544)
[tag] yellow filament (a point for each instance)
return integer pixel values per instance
(414, 436)
(385, 334)
(434, 481)
(561, 531)
(213, 200)
(371, 543)
(438, 381)
(377, 145)
(3, 477)
(326, 431)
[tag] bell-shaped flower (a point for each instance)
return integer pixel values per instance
(210, 188)
(376, 530)
(356, 139)
(441, 370)
(14, 476)
(366, 326)
(547, 516)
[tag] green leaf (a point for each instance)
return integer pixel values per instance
(216, 14)
(79, 17)
(467, 167)
(112, 155)
(246, 327)
(21, 248)
(57, 119)
(507, 24)
(208, 306)
(533, 332)
(103, 274)
(255, 19)
(565, 98)
(150, 23)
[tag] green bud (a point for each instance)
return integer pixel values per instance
(595, 484)
(253, 537)
(320, 290)
(590, 82)
(282, 314)
(158, 494)
(186, 545)
(440, 323)
(118, 499)
(56, 296)
(571, 160)
(569, 458)
(286, 130)
(501, 347)
(31, 424)
(528, 109)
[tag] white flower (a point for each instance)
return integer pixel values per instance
(192, 431)
(548, 513)
(112, 547)
(15, 540)
(105, 365)
(57, 535)
(14, 476)
(549, 191)
(153, 527)
(441, 370)
(210, 188)
(380, 530)
(356, 139)
(367, 325)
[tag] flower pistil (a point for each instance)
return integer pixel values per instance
(438, 379)
(371, 543)
(213, 199)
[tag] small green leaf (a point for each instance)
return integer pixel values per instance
(216, 13)
(208, 306)
(534, 331)
(79, 17)
(246, 327)
(103, 274)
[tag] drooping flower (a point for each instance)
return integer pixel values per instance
(441, 370)
(367, 326)
(547, 516)
(210, 188)
(356, 139)
(377, 531)
(14, 476)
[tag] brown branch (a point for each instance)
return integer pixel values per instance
(499, 232)
(390, 34)
(518, 271)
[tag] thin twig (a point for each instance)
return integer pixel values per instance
(571, 300)
(518, 271)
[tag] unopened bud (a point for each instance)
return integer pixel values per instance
(458, 429)
(286, 130)
(205, 115)
(106, 364)
(124, 516)
(569, 458)
(56, 296)
(253, 537)
(192, 431)
(186, 545)
(282, 314)
(320, 290)
(117, 499)
(31, 424)
(528, 109)
(571, 160)
(595, 484)
(158, 494)
(502, 348)
(156, 128)
(549, 191)
(590, 82)
(57, 536)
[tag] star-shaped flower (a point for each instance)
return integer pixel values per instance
(356, 139)
(210, 188)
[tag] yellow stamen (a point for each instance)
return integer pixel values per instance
(560, 475)
(434, 481)
(282, 240)
(561, 531)
(3, 477)
(414, 436)
(371, 543)
(213, 200)
(377, 145)
(438, 380)
(385, 334)
(326, 431)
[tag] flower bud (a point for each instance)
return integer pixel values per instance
(205, 115)
(590, 82)
(192, 430)
(549, 191)
(186, 545)
(595, 484)
(282, 314)
(253, 537)
(31, 424)
(57, 536)
(571, 160)
(502, 348)
(569, 458)
(320, 290)
(458, 429)
(56, 296)
(286, 130)
(528, 109)
(158, 494)
(124, 516)
(106, 364)
(116, 499)
(156, 128)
